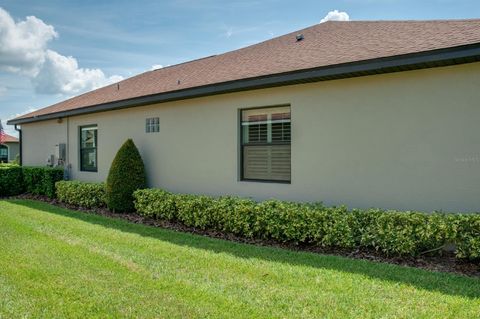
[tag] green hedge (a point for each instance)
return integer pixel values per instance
(390, 232)
(467, 236)
(87, 195)
(41, 180)
(11, 180)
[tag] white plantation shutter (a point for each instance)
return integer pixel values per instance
(267, 162)
(280, 162)
(266, 147)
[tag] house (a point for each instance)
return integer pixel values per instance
(363, 113)
(9, 148)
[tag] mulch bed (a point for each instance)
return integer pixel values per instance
(446, 262)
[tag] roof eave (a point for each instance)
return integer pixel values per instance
(428, 59)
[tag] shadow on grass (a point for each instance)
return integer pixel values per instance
(433, 281)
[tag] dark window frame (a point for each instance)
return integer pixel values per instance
(242, 145)
(81, 148)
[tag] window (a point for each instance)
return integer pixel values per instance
(266, 136)
(3, 154)
(88, 148)
(152, 125)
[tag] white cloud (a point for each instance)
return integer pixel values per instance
(336, 15)
(61, 74)
(156, 66)
(24, 50)
(23, 44)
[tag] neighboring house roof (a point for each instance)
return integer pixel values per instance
(329, 50)
(9, 139)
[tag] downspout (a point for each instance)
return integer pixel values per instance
(68, 166)
(20, 144)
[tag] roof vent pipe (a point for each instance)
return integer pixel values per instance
(299, 37)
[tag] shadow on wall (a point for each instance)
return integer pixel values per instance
(431, 281)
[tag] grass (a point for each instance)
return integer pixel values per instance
(58, 263)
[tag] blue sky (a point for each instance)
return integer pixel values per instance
(110, 40)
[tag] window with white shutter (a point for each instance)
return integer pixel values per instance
(266, 136)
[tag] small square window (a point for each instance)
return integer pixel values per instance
(152, 125)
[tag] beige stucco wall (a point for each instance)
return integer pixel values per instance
(39, 140)
(408, 140)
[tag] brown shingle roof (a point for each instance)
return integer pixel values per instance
(324, 44)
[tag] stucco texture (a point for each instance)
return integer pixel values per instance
(406, 140)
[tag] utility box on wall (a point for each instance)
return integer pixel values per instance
(61, 153)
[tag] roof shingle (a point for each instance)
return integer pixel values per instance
(9, 139)
(324, 44)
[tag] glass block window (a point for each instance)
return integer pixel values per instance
(152, 125)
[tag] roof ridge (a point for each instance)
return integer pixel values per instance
(306, 28)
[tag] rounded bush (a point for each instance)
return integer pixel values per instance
(126, 175)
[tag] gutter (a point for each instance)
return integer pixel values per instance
(427, 59)
(20, 142)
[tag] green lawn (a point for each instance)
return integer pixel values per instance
(57, 263)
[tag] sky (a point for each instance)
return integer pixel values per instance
(53, 50)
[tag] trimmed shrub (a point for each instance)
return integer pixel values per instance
(50, 177)
(195, 210)
(11, 180)
(282, 221)
(337, 227)
(126, 175)
(390, 232)
(467, 236)
(33, 180)
(86, 195)
(41, 180)
(155, 203)
(235, 215)
(405, 233)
